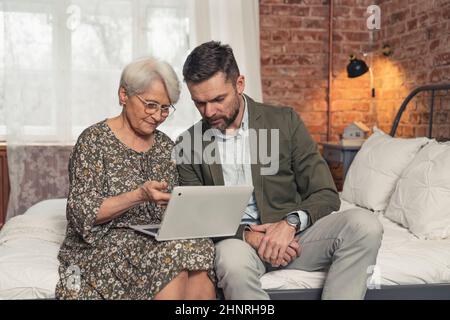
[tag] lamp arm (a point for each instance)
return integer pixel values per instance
(371, 82)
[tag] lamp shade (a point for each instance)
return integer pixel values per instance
(356, 67)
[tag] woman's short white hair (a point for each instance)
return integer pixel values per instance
(139, 74)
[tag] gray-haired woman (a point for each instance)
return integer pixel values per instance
(121, 173)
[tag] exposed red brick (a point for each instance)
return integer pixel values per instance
(412, 24)
(309, 35)
(290, 10)
(290, 60)
(398, 16)
(442, 59)
(321, 11)
(265, 35)
(310, 23)
(270, 1)
(281, 35)
(294, 1)
(351, 24)
(356, 36)
(294, 61)
(265, 9)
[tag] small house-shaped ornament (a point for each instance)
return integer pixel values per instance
(355, 134)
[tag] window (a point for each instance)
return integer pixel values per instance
(60, 61)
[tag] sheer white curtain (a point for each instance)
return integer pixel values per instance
(235, 22)
(60, 63)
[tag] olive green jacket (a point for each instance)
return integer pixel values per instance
(303, 181)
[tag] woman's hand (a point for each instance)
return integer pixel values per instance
(113, 207)
(153, 191)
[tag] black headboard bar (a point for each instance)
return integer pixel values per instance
(430, 124)
(432, 88)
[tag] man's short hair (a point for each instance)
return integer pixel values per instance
(208, 59)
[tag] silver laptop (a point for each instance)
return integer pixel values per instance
(201, 212)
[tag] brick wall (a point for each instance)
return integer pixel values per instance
(294, 60)
(351, 98)
(419, 33)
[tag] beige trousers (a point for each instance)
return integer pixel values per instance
(346, 243)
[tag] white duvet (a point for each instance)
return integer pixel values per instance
(29, 245)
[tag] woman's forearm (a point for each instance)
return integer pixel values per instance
(114, 206)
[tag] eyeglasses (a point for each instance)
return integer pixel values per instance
(151, 107)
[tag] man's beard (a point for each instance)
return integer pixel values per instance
(231, 119)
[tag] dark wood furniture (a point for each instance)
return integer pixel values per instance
(339, 159)
(4, 184)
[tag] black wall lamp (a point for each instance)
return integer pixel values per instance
(358, 67)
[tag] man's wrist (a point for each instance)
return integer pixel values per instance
(246, 231)
(293, 220)
(289, 225)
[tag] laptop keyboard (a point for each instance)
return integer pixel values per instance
(153, 230)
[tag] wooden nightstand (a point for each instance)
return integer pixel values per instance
(339, 159)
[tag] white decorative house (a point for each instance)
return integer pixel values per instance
(355, 134)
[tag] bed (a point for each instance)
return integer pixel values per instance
(29, 246)
(408, 267)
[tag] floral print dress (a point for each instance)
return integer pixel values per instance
(110, 260)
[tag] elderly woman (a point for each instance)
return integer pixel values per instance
(121, 174)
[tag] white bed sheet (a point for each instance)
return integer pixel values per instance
(29, 269)
(29, 248)
(29, 245)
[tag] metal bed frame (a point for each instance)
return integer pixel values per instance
(439, 291)
(434, 94)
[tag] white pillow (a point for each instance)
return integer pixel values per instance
(374, 172)
(46, 220)
(54, 207)
(421, 201)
